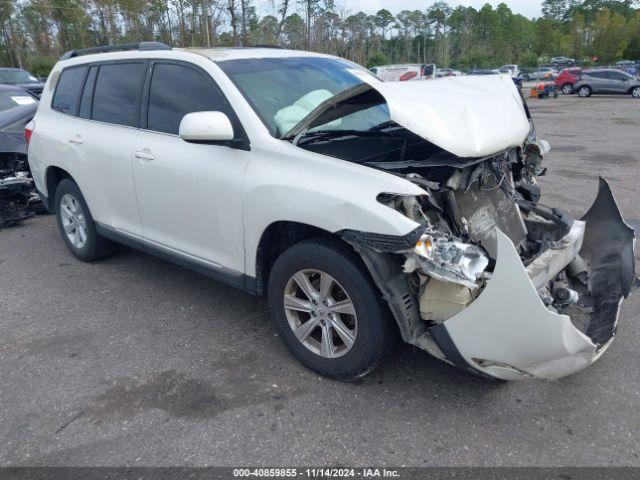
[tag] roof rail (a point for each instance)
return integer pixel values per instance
(142, 46)
(264, 46)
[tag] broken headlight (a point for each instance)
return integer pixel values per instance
(447, 259)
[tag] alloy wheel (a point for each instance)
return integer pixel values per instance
(584, 91)
(636, 92)
(73, 220)
(567, 89)
(320, 313)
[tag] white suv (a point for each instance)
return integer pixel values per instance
(362, 209)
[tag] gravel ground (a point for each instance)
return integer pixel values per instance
(135, 361)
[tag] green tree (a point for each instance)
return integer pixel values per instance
(611, 36)
(377, 59)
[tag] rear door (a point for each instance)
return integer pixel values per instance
(107, 130)
(598, 82)
(189, 194)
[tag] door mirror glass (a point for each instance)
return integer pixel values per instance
(206, 127)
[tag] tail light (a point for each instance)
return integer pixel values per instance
(28, 130)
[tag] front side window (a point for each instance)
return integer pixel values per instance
(177, 90)
(117, 92)
(67, 95)
(283, 91)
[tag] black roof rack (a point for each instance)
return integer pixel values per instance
(264, 46)
(142, 46)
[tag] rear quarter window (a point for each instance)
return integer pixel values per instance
(67, 95)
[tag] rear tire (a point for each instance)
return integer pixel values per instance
(567, 89)
(584, 92)
(348, 353)
(76, 224)
(635, 93)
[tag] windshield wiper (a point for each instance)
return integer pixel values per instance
(319, 135)
(384, 126)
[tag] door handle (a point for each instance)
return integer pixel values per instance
(142, 155)
(77, 140)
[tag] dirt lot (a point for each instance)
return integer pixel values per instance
(134, 361)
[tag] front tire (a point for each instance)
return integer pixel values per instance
(76, 224)
(567, 89)
(328, 311)
(635, 93)
(584, 92)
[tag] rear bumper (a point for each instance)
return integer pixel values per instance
(509, 333)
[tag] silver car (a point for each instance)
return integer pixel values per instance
(609, 81)
(542, 73)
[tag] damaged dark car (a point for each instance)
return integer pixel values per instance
(17, 192)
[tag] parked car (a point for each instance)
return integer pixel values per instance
(562, 61)
(624, 64)
(542, 73)
(21, 78)
(17, 192)
(304, 178)
(609, 80)
(485, 71)
(448, 72)
(567, 79)
(512, 70)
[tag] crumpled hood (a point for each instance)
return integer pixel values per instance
(467, 116)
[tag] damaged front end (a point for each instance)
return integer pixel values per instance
(496, 284)
(490, 280)
(16, 189)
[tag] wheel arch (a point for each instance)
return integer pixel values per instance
(276, 239)
(53, 176)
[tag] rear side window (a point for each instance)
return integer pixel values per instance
(177, 90)
(67, 95)
(117, 93)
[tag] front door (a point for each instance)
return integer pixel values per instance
(618, 82)
(189, 195)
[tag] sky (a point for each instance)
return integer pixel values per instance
(528, 8)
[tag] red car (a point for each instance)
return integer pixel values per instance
(567, 79)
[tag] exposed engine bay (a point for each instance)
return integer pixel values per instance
(490, 279)
(473, 209)
(17, 191)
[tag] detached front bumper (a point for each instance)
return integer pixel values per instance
(507, 332)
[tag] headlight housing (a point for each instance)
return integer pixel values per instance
(448, 259)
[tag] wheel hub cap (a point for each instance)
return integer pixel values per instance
(320, 313)
(73, 221)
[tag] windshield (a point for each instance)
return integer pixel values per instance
(16, 76)
(14, 99)
(283, 91)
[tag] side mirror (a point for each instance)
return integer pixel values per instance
(206, 127)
